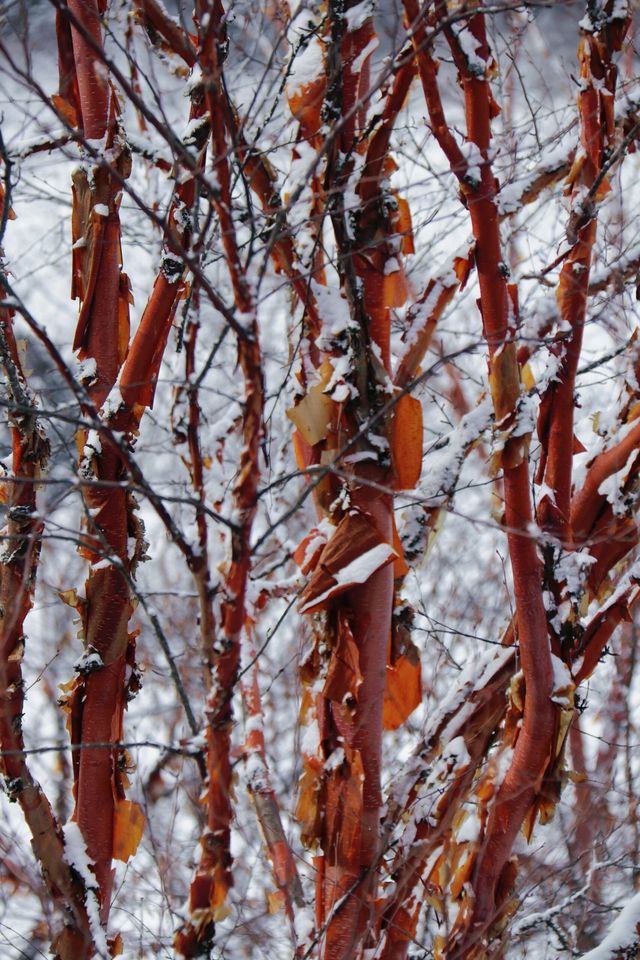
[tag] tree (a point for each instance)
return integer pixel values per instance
(252, 478)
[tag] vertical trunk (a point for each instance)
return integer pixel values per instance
(93, 86)
(534, 746)
(97, 700)
(587, 185)
(265, 801)
(221, 653)
(18, 570)
(372, 604)
(351, 855)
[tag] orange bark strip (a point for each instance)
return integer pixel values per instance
(68, 99)
(102, 334)
(378, 148)
(140, 372)
(104, 692)
(598, 81)
(93, 86)
(614, 538)
(142, 366)
(128, 829)
(305, 104)
(556, 420)
(406, 442)
(355, 71)
(534, 746)
(403, 692)
(10, 213)
(427, 70)
(266, 805)
(355, 537)
(377, 306)
(343, 675)
(588, 502)
(98, 329)
(423, 317)
(599, 632)
(400, 912)
(154, 15)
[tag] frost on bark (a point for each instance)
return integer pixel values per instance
(299, 344)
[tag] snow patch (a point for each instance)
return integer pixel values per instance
(562, 683)
(306, 67)
(623, 933)
(77, 857)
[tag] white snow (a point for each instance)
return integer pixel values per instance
(89, 661)
(87, 369)
(562, 683)
(469, 46)
(526, 416)
(112, 404)
(334, 760)
(611, 486)
(444, 459)
(338, 387)
(76, 855)
(469, 829)
(359, 61)
(92, 445)
(354, 573)
(357, 16)
(306, 67)
(304, 924)
(624, 933)
(511, 194)
(364, 566)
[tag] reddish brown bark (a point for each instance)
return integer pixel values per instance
(97, 700)
(586, 810)
(588, 503)
(416, 18)
(350, 834)
(556, 412)
(401, 911)
(18, 569)
(285, 874)
(98, 697)
(155, 18)
(533, 749)
(353, 625)
(93, 86)
(213, 877)
(586, 183)
(534, 746)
